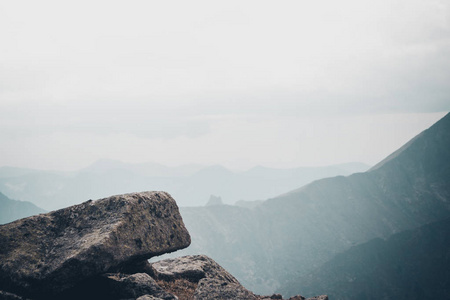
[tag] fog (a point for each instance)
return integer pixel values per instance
(240, 84)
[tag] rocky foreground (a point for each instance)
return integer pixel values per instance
(99, 250)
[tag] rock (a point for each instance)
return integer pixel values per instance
(214, 200)
(298, 297)
(214, 282)
(322, 297)
(10, 296)
(191, 267)
(210, 288)
(133, 286)
(148, 297)
(48, 253)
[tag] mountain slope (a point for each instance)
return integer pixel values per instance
(293, 234)
(12, 210)
(409, 265)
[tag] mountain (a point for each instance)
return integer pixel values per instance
(191, 185)
(292, 235)
(12, 209)
(414, 264)
(143, 169)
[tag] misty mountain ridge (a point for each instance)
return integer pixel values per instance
(289, 236)
(273, 245)
(191, 185)
(144, 169)
(12, 209)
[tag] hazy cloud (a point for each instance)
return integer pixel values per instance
(230, 75)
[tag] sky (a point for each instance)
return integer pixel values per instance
(237, 83)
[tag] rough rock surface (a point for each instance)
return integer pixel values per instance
(192, 267)
(148, 297)
(298, 297)
(10, 296)
(136, 285)
(213, 281)
(48, 253)
(209, 288)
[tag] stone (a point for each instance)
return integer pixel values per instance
(10, 296)
(191, 267)
(210, 288)
(321, 297)
(148, 297)
(133, 286)
(214, 282)
(297, 297)
(49, 253)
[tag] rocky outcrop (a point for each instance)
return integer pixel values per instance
(99, 250)
(49, 253)
(212, 281)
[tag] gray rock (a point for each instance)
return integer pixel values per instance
(10, 296)
(214, 200)
(298, 297)
(134, 286)
(48, 253)
(214, 282)
(322, 297)
(191, 267)
(209, 288)
(148, 297)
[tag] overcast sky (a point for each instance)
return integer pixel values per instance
(237, 83)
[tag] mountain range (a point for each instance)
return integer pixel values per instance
(12, 209)
(190, 185)
(376, 234)
(275, 244)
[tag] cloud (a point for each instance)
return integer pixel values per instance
(223, 53)
(215, 75)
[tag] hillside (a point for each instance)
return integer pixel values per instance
(413, 264)
(12, 210)
(292, 235)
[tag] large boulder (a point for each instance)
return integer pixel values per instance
(49, 253)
